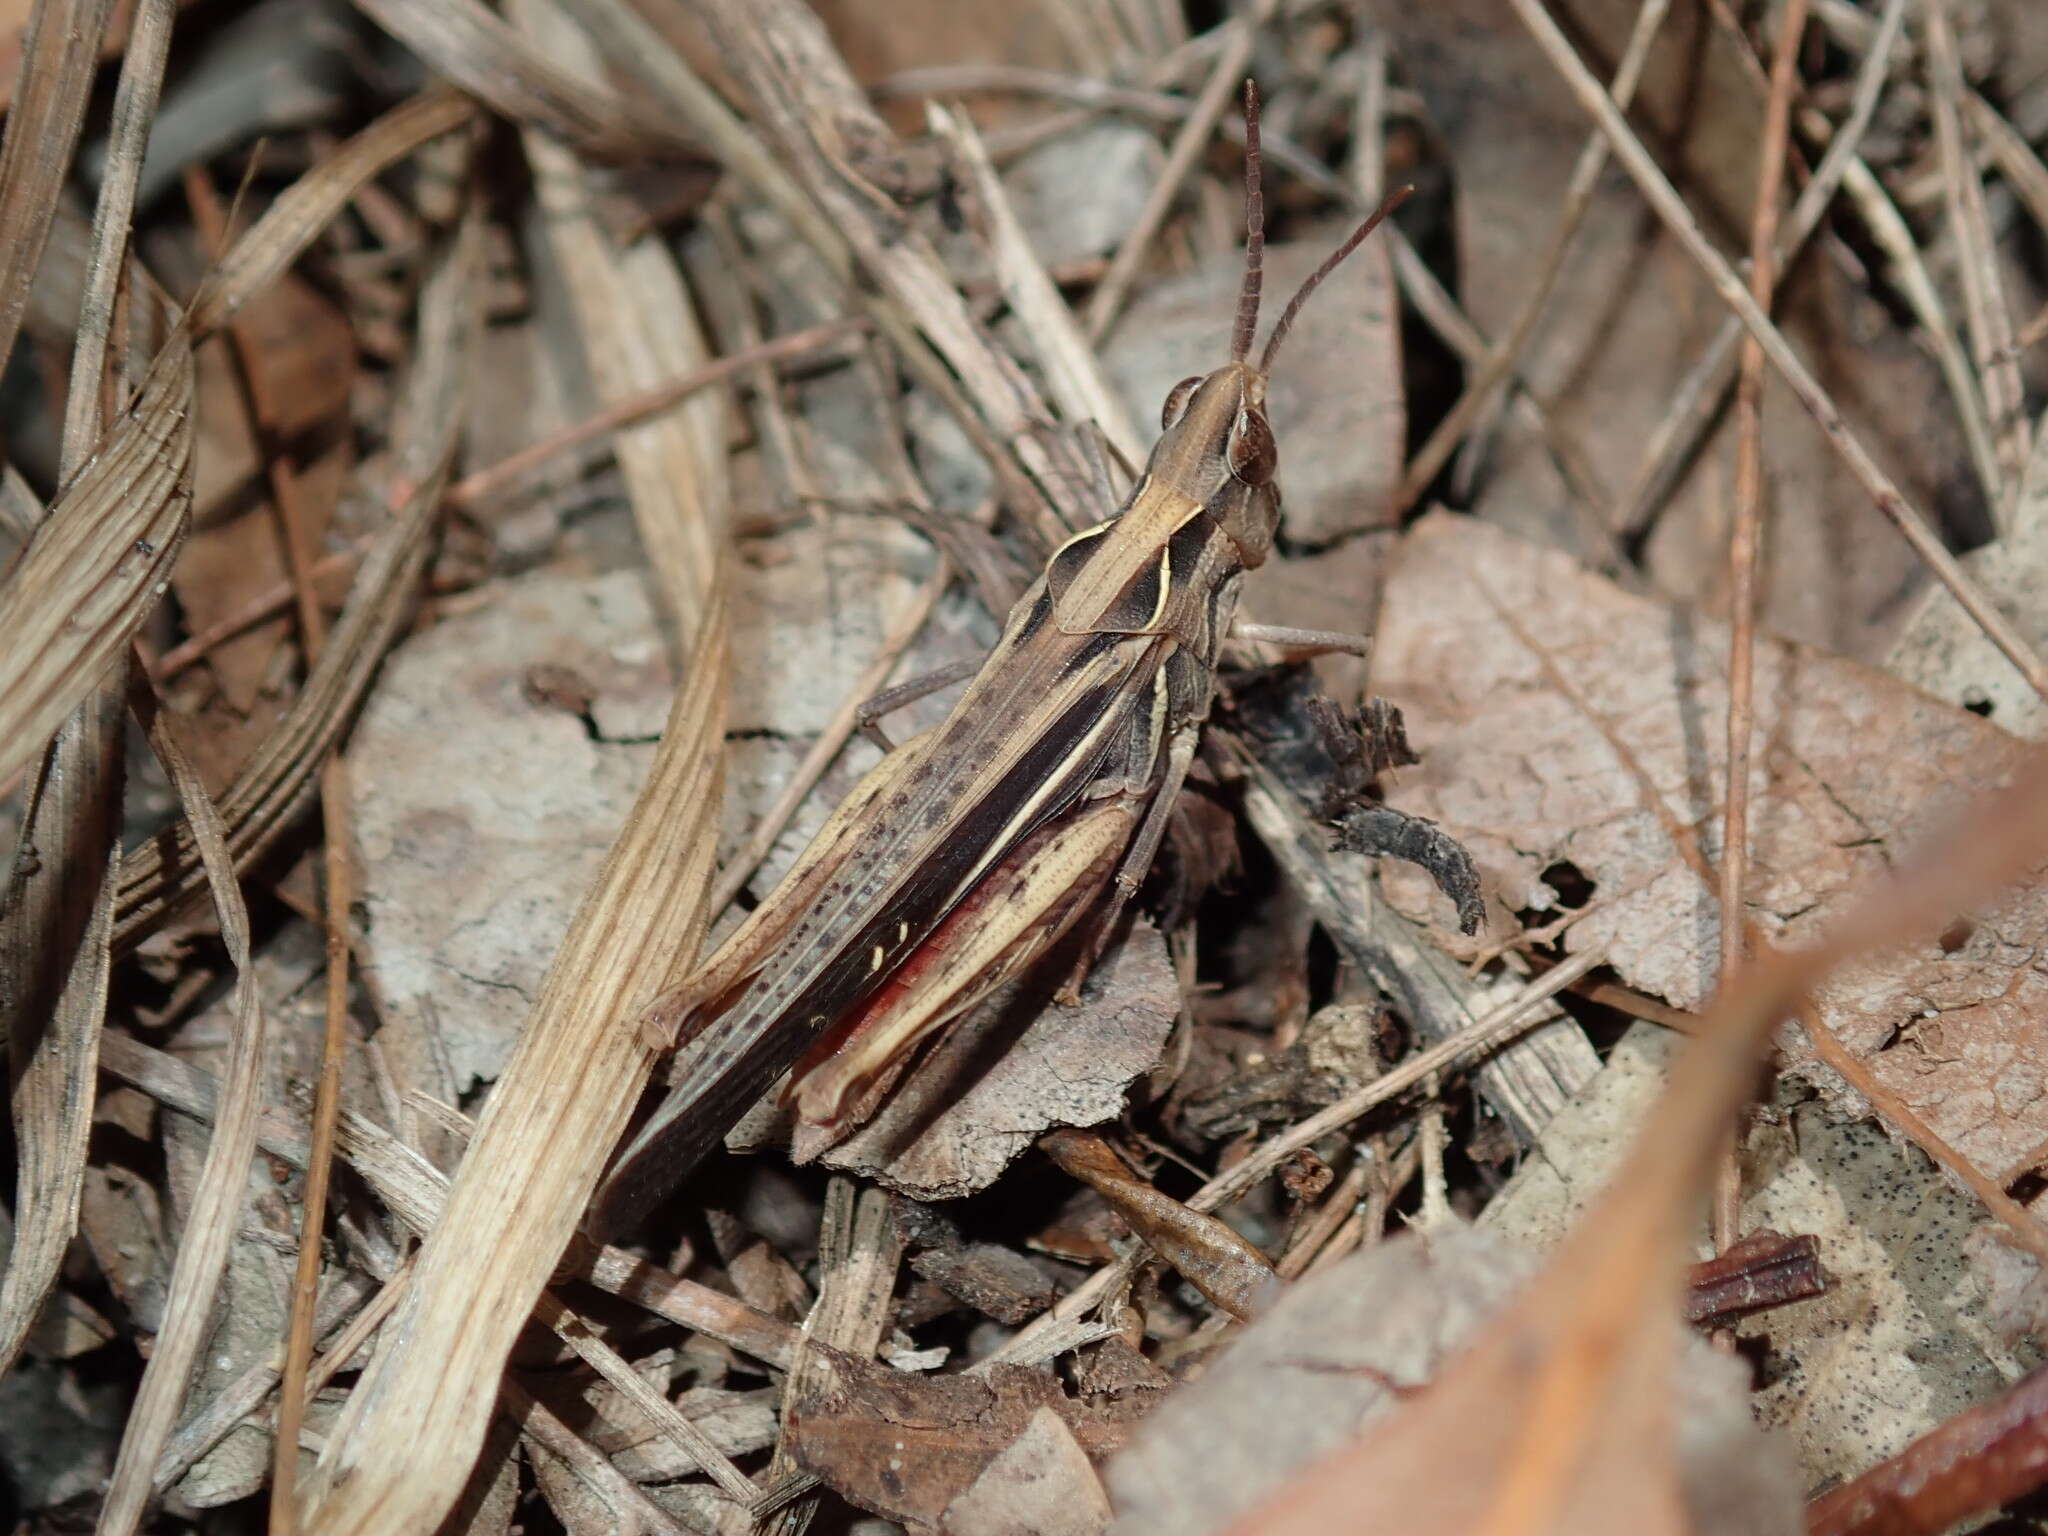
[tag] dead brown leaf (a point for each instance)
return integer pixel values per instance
(1563, 722)
(909, 1446)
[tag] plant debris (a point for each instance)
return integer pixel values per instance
(483, 483)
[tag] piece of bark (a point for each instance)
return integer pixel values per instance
(1340, 1348)
(906, 1446)
(1041, 1484)
(997, 1282)
(1013, 1068)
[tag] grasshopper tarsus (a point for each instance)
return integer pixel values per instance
(1037, 806)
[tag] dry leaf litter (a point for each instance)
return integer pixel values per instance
(506, 688)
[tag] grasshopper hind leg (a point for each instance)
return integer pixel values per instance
(1018, 911)
(867, 719)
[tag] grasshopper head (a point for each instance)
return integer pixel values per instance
(1217, 448)
(1215, 443)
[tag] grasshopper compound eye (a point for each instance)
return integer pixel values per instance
(1254, 456)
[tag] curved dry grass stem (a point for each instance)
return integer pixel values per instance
(224, 1177)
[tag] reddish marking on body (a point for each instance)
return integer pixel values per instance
(901, 980)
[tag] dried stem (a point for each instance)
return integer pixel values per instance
(1745, 540)
(1225, 76)
(1664, 198)
(1504, 356)
(296, 519)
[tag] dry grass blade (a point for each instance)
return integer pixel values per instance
(2013, 155)
(424, 1404)
(535, 1159)
(634, 47)
(1664, 198)
(224, 1179)
(476, 49)
(58, 57)
(58, 916)
(100, 559)
(479, 485)
(633, 341)
(1556, 1419)
(98, 563)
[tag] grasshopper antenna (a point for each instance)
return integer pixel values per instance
(1254, 232)
(1315, 278)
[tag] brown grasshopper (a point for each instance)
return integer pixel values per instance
(971, 850)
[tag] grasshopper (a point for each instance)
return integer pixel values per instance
(1039, 803)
